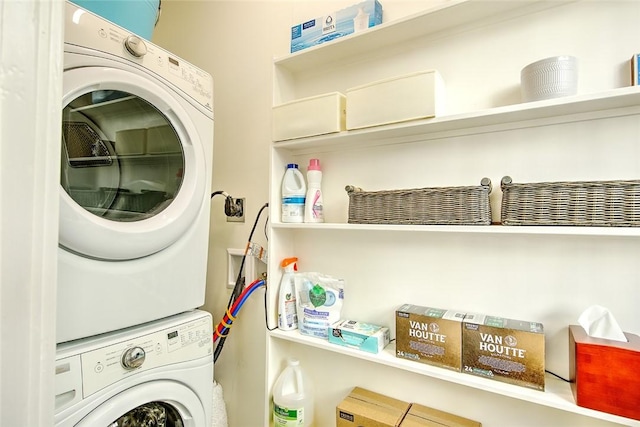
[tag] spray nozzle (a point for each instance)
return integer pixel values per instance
(287, 264)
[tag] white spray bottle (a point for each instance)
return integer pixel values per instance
(287, 310)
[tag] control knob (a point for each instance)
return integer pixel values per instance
(135, 46)
(133, 358)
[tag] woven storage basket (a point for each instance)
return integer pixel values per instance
(588, 203)
(422, 206)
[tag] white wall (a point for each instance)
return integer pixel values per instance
(236, 42)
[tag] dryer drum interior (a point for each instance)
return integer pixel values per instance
(121, 158)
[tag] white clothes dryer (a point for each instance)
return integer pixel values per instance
(137, 148)
(157, 374)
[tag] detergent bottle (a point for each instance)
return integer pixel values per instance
(293, 397)
(294, 190)
(287, 310)
(313, 204)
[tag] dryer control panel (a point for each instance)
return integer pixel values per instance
(88, 30)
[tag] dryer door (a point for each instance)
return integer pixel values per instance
(132, 165)
(158, 403)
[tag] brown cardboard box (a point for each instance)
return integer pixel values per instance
(364, 408)
(423, 416)
(504, 349)
(429, 335)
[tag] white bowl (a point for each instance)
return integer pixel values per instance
(549, 78)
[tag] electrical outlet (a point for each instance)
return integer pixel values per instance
(239, 203)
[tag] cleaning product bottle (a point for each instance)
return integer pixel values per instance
(313, 204)
(287, 311)
(293, 193)
(293, 397)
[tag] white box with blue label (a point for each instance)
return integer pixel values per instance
(360, 335)
(336, 24)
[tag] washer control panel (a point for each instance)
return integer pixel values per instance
(106, 365)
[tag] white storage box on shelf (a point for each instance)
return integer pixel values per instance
(316, 115)
(409, 97)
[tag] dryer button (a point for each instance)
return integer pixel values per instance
(135, 46)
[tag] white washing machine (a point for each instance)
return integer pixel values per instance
(137, 148)
(157, 374)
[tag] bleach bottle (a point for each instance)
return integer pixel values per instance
(313, 204)
(287, 310)
(293, 194)
(293, 397)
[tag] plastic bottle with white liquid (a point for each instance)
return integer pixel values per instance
(313, 203)
(293, 397)
(287, 310)
(293, 193)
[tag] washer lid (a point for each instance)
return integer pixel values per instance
(137, 185)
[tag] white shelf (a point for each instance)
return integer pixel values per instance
(454, 14)
(478, 229)
(557, 393)
(613, 103)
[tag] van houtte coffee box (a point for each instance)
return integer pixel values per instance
(429, 335)
(503, 349)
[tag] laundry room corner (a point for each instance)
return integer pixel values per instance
(240, 59)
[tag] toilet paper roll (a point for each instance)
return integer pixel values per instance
(598, 322)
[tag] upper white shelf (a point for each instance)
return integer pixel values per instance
(447, 16)
(612, 103)
(557, 395)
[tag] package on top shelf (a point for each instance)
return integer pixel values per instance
(403, 98)
(315, 115)
(429, 335)
(333, 25)
(508, 350)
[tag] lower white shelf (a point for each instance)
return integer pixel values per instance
(557, 395)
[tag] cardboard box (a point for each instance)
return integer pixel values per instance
(359, 335)
(399, 99)
(504, 349)
(336, 24)
(429, 335)
(315, 115)
(364, 408)
(604, 373)
(423, 416)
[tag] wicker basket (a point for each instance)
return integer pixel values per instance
(594, 203)
(423, 206)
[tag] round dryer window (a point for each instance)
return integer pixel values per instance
(131, 165)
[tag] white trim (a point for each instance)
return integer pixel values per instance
(30, 92)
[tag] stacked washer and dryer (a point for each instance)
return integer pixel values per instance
(137, 147)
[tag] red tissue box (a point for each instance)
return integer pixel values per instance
(604, 373)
